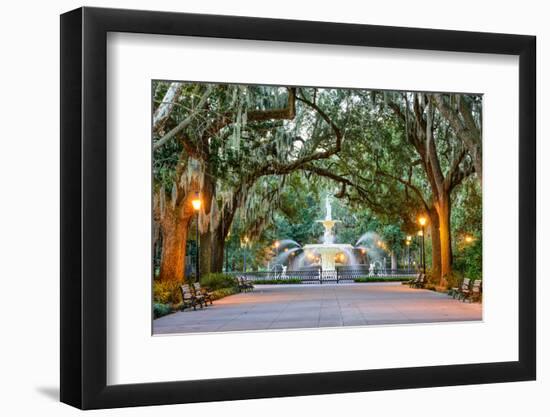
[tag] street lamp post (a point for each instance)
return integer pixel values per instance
(408, 242)
(418, 244)
(422, 221)
(196, 202)
(244, 246)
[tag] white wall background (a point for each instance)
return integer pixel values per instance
(29, 209)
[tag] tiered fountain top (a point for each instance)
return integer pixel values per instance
(328, 249)
(328, 223)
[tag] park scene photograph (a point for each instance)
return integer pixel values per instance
(298, 207)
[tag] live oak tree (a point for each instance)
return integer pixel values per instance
(445, 161)
(405, 159)
(226, 138)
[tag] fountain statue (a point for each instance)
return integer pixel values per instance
(372, 265)
(328, 207)
(329, 253)
(328, 223)
(283, 273)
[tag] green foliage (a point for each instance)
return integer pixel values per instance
(377, 177)
(166, 292)
(217, 281)
(393, 236)
(467, 221)
(454, 279)
(160, 309)
(224, 292)
(468, 260)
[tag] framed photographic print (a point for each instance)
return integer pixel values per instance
(257, 208)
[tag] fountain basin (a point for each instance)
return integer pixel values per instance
(329, 252)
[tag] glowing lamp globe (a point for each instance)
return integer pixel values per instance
(196, 202)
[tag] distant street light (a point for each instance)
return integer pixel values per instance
(408, 243)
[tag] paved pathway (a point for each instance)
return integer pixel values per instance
(313, 305)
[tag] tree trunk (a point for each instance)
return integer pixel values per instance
(174, 236)
(436, 246)
(206, 253)
(220, 234)
(218, 249)
(443, 208)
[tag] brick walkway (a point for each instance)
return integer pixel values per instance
(313, 305)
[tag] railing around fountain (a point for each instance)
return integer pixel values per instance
(318, 276)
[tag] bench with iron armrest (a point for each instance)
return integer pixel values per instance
(242, 284)
(248, 285)
(455, 291)
(189, 298)
(463, 291)
(238, 284)
(201, 291)
(475, 292)
(415, 280)
(419, 281)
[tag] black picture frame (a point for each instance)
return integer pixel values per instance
(84, 207)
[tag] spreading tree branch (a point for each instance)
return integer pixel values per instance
(185, 122)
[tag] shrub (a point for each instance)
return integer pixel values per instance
(453, 280)
(278, 281)
(474, 260)
(167, 292)
(224, 292)
(468, 260)
(216, 281)
(381, 279)
(160, 309)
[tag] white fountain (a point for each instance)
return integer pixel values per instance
(328, 253)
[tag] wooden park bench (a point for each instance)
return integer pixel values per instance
(475, 291)
(463, 291)
(455, 291)
(413, 281)
(419, 281)
(244, 285)
(203, 292)
(189, 298)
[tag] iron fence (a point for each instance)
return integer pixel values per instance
(319, 276)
